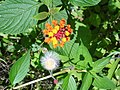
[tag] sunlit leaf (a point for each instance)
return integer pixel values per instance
(69, 83)
(103, 83)
(16, 16)
(112, 69)
(100, 64)
(86, 82)
(19, 69)
(84, 56)
(85, 2)
(60, 15)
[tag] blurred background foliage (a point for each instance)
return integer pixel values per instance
(96, 28)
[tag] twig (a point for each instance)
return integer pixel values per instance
(49, 76)
(40, 79)
(2, 60)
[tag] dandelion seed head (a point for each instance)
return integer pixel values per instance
(50, 60)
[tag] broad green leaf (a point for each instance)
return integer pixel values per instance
(51, 3)
(84, 56)
(100, 64)
(60, 15)
(19, 69)
(69, 83)
(86, 82)
(47, 2)
(41, 15)
(103, 83)
(16, 16)
(64, 58)
(75, 52)
(57, 3)
(85, 2)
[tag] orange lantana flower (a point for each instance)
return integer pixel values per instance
(57, 34)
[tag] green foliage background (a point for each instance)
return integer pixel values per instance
(93, 51)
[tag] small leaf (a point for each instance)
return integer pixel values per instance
(16, 16)
(113, 68)
(19, 69)
(54, 10)
(103, 83)
(85, 2)
(41, 16)
(69, 83)
(86, 82)
(100, 64)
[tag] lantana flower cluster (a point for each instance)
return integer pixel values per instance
(57, 34)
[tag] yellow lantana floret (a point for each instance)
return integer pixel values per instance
(67, 33)
(57, 27)
(54, 31)
(54, 40)
(50, 34)
(64, 39)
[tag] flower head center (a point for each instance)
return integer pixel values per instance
(50, 64)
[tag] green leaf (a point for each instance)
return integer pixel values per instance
(85, 34)
(69, 83)
(46, 2)
(16, 16)
(100, 64)
(113, 68)
(85, 2)
(96, 18)
(41, 16)
(57, 3)
(79, 24)
(67, 49)
(103, 83)
(86, 82)
(118, 72)
(54, 10)
(76, 74)
(117, 4)
(60, 15)
(19, 69)
(84, 56)
(51, 3)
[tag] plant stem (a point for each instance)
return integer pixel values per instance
(49, 76)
